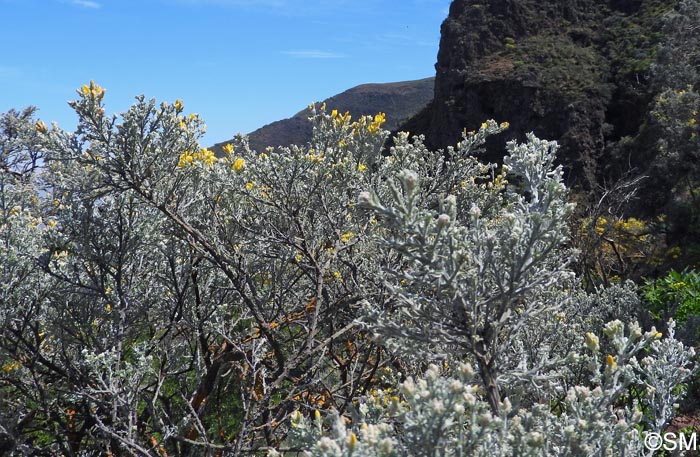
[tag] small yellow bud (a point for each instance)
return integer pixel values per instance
(228, 149)
(592, 342)
(178, 105)
(353, 441)
(610, 361)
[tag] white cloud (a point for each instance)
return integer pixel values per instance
(86, 4)
(250, 3)
(282, 7)
(313, 54)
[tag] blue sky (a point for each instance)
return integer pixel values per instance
(240, 64)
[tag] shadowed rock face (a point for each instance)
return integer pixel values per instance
(400, 101)
(570, 70)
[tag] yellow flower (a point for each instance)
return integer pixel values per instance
(96, 90)
(238, 164)
(228, 149)
(178, 105)
(185, 159)
(108, 308)
(484, 125)
(41, 127)
(505, 125)
(346, 237)
(10, 366)
(207, 156)
(249, 185)
(334, 113)
(374, 127)
(336, 275)
(93, 91)
(341, 119)
(315, 158)
(361, 167)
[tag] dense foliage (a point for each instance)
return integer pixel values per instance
(675, 295)
(158, 299)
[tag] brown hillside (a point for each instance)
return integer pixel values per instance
(400, 101)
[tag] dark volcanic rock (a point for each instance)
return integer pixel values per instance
(574, 71)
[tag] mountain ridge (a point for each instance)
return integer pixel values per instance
(399, 100)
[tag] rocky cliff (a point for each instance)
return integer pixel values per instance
(571, 70)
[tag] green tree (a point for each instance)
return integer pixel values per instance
(675, 114)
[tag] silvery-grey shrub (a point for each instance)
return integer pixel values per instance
(159, 299)
(493, 288)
